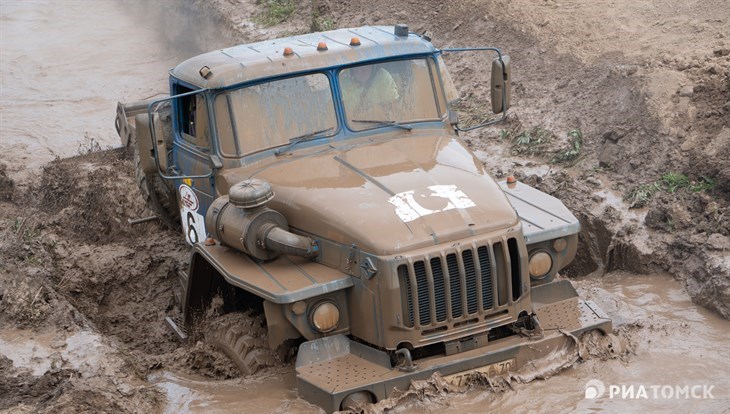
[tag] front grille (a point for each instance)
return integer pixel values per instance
(457, 285)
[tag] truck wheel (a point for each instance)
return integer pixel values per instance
(242, 337)
(159, 198)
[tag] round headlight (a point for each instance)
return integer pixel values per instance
(540, 264)
(325, 316)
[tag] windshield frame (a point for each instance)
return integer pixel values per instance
(342, 130)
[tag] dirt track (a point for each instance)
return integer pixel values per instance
(647, 86)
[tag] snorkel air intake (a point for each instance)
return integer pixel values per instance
(242, 221)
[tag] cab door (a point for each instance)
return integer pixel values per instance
(192, 150)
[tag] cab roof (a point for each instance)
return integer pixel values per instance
(264, 59)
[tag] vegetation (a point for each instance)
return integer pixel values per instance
(572, 151)
(671, 182)
(532, 142)
(321, 23)
(471, 112)
(704, 184)
(640, 195)
(275, 12)
(674, 181)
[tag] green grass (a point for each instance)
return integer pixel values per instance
(674, 181)
(572, 151)
(34, 260)
(471, 113)
(704, 184)
(321, 23)
(275, 12)
(17, 224)
(532, 142)
(671, 182)
(639, 196)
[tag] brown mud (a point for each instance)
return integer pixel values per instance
(83, 294)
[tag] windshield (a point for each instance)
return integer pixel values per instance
(389, 93)
(271, 114)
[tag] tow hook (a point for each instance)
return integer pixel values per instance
(528, 326)
(408, 365)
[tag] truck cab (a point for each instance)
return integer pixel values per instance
(321, 180)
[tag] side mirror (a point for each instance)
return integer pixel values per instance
(501, 84)
(500, 95)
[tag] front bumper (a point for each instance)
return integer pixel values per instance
(329, 369)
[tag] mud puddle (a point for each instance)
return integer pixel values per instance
(677, 344)
(41, 352)
(63, 72)
(271, 391)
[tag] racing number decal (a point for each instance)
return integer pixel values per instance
(192, 234)
(193, 223)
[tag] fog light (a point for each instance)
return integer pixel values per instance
(540, 264)
(325, 316)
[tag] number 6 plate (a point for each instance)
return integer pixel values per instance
(193, 225)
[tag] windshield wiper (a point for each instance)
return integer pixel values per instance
(301, 138)
(385, 122)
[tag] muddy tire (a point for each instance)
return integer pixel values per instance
(242, 337)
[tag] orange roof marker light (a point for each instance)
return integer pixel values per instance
(355, 41)
(322, 46)
(288, 51)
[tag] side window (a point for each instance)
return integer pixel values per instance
(194, 121)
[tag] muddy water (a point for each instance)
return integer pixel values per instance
(678, 344)
(64, 65)
(40, 352)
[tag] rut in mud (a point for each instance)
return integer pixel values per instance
(74, 271)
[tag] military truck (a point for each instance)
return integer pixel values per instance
(321, 182)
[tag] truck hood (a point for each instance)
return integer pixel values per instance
(386, 197)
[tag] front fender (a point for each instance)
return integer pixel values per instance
(286, 279)
(543, 216)
(279, 283)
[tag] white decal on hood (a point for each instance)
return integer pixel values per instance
(408, 209)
